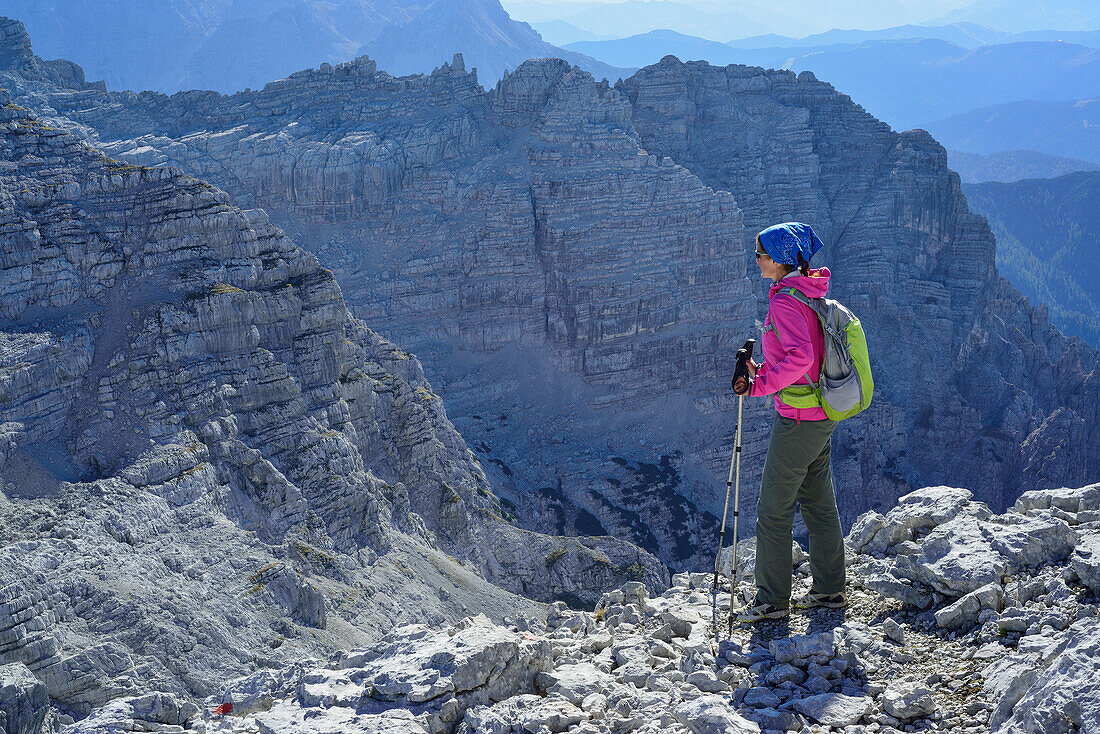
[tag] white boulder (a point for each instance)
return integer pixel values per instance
(285, 718)
(922, 509)
(966, 553)
(801, 649)
(834, 709)
(1085, 560)
(23, 700)
(525, 713)
(907, 700)
(712, 714)
(1056, 689)
(965, 611)
(574, 682)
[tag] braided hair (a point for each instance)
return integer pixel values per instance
(803, 267)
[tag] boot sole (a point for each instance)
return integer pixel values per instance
(764, 618)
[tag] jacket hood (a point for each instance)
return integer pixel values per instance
(816, 285)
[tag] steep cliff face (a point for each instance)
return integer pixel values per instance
(572, 260)
(481, 226)
(971, 378)
(206, 462)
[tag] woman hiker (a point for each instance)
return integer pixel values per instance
(796, 470)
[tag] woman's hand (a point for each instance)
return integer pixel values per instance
(741, 386)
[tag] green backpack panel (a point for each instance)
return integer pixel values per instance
(845, 385)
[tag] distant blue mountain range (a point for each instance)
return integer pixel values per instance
(1070, 129)
(1024, 15)
(715, 20)
(720, 20)
(1013, 165)
(967, 35)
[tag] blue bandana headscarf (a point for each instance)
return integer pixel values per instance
(784, 241)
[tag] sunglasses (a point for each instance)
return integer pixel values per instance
(759, 254)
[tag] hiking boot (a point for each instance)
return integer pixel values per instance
(762, 612)
(813, 599)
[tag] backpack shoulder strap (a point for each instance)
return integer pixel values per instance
(813, 303)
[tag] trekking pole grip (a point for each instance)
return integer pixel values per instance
(744, 354)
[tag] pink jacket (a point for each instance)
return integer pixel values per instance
(798, 347)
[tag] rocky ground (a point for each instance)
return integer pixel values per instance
(927, 643)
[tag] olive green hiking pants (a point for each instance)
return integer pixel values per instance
(797, 472)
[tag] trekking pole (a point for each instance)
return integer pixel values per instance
(744, 354)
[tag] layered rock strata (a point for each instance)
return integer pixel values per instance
(572, 260)
(974, 386)
(208, 465)
(504, 318)
(665, 664)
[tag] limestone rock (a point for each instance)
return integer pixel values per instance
(417, 666)
(872, 667)
(713, 715)
(707, 682)
(1062, 694)
(155, 712)
(894, 631)
(523, 713)
(574, 683)
(938, 540)
(23, 700)
(1085, 560)
(761, 697)
(18, 57)
(920, 510)
(287, 719)
(423, 679)
(1071, 500)
(803, 649)
(965, 611)
(834, 709)
(965, 554)
(906, 700)
(893, 584)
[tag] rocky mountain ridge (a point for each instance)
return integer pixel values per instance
(941, 78)
(206, 463)
(572, 261)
